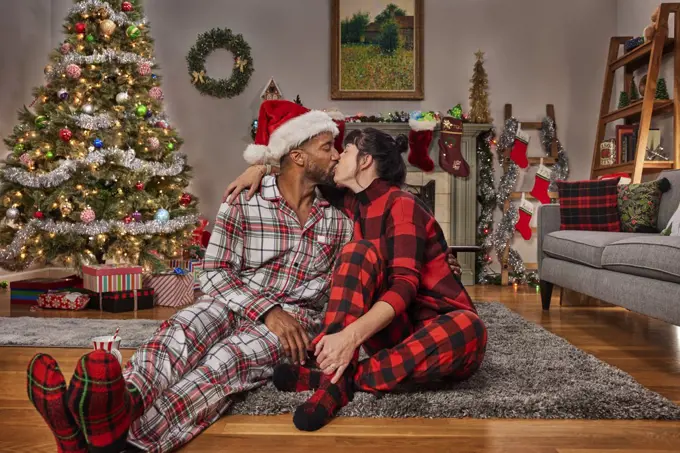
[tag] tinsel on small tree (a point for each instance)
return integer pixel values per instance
(634, 93)
(661, 90)
(624, 100)
(486, 197)
(94, 171)
(479, 93)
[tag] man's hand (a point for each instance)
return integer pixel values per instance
(249, 179)
(291, 334)
(454, 265)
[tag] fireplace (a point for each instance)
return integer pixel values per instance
(453, 201)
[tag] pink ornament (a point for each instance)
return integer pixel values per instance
(73, 71)
(25, 159)
(65, 48)
(144, 69)
(153, 143)
(156, 93)
(87, 215)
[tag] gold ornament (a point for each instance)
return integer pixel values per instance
(198, 77)
(80, 36)
(48, 69)
(107, 27)
(103, 13)
(66, 208)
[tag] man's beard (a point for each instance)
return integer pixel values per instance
(316, 174)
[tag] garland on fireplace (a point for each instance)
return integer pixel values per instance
(505, 230)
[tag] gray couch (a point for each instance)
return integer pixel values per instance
(638, 271)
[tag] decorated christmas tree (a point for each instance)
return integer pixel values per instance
(479, 93)
(661, 90)
(94, 172)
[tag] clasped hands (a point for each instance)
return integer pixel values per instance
(333, 352)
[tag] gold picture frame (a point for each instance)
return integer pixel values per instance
(377, 49)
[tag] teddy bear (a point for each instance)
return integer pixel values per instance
(650, 30)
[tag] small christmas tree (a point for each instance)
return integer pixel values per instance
(634, 93)
(624, 101)
(298, 101)
(94, 171)
(661, 90)
(479, 96)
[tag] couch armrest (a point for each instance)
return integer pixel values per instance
(548, 221)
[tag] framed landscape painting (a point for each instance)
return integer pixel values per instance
(377, 49)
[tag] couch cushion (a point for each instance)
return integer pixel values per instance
(650, 255)
(639, 205)
(671, 199)
(589, 205)
(583, 247)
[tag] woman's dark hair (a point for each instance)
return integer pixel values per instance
(385, 149)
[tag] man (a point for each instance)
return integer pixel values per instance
(266, 276)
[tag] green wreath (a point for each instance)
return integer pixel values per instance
(243, 63)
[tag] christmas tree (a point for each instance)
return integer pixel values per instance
(479, 95)
(634, 93)
(661, 90)
(94, 172)
(624, 101)
(298, 101)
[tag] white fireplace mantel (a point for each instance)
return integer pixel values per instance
(458, 216)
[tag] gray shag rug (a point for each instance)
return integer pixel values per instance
(528, 373)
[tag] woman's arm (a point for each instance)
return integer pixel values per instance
(342, 199)
(377, 318)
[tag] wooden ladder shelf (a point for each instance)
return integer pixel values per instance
(547, 160)
(648, 54)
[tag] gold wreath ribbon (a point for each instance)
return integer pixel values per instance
(241, 63)
(198, 76)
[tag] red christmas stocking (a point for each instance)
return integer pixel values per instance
(450, 158)
(540, 190)
(340, 137)
(419, 139)
(519, 150)
(526, 211)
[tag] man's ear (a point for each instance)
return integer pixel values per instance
(297, 156)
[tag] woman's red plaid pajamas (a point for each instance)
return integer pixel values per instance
(398, 256)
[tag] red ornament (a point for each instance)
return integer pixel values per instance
(38, 214)
(185, 199)
(127, 219)
(127, 7)
(65, 134)
(139, 186)
(80, 27)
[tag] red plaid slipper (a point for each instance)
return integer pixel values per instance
(46, 388)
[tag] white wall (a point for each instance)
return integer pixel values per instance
(536, 52)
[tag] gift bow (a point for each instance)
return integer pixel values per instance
(197, 234)
(198, 76)
(179, 271)
(241, 63)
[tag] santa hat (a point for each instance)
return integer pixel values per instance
(339, 119)
(283, 125)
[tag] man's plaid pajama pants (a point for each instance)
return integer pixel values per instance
(447, 345)
(187, 371)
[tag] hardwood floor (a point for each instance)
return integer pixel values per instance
(647, 349)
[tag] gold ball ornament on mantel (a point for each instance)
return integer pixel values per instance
(107, 27)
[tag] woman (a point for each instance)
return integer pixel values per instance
(392, 292)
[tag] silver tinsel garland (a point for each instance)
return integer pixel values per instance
(509, 178)
(560, 170)
(120, 18)
(68, 167)
(92, 229)
(57, 69)
(94, 122)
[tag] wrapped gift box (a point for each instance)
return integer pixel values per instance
(121, 301)
(28, 291)
(102, 278)
(191, 266)
(171, 290)
(64, 300)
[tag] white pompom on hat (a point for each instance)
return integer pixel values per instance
(283, 125)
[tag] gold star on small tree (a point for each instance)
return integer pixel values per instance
(479, 95)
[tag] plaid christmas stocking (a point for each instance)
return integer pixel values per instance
(101, 403)
(450, 158)
(518, 154)
(46, 388)
(526, 211)
(419, 139)
(541, 184)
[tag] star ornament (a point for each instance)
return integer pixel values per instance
(479, 54)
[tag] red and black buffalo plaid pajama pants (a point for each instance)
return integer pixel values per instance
(448, 345)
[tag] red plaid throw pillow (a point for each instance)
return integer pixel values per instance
(589, 205)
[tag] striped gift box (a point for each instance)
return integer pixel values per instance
(103, 278)
(192, 266)
(171, 290)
